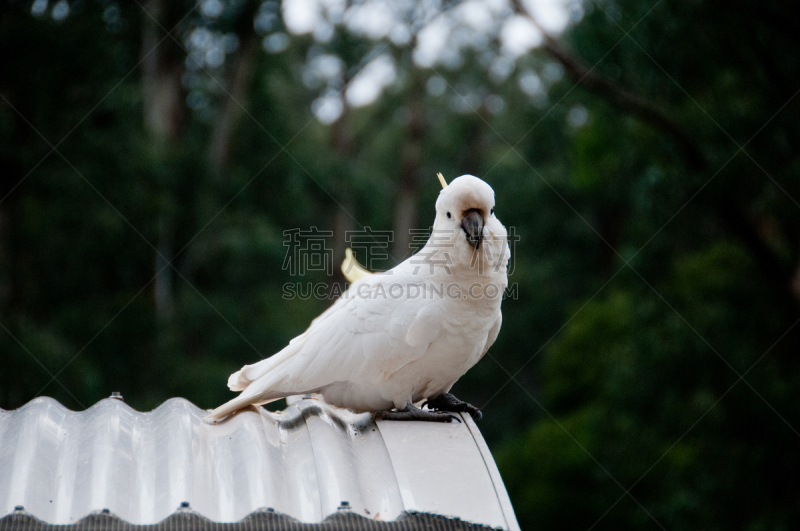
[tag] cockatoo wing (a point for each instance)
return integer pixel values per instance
(348, 342)
(493, 332)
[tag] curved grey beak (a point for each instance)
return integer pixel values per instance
(472, 223)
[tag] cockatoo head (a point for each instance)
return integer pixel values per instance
(465, 220)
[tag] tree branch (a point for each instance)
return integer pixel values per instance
(615, 94)
(733, 218)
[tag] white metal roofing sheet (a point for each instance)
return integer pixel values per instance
(304, 462)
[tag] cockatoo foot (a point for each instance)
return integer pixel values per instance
(411, 412)
(448, 402)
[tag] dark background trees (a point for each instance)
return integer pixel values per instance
(154, 153)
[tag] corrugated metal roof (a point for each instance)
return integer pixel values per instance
(258, 521)
(304, 462)
(185, 519)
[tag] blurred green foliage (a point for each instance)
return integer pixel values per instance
(647, 373)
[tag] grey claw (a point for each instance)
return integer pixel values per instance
(448, 402)
(410, 412)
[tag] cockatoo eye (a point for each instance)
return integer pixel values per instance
(449, 216)
(491, 212)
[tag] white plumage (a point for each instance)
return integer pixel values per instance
(399, 337)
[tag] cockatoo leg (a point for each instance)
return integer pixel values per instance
(448, 402)
(411, 412)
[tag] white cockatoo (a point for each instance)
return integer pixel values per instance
(399, 337)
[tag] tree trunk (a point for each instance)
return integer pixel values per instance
(162, 96)
(236, 92)
(405, 207)
(342, 142)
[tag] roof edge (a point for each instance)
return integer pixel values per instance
(265, 518)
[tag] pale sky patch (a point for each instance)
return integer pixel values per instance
(519, 35)
(328, 107)
(431, 42)
(369, 83)
(442, 40)
(301, 16)
(372, 19)
(551, 15)
(477, 15)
